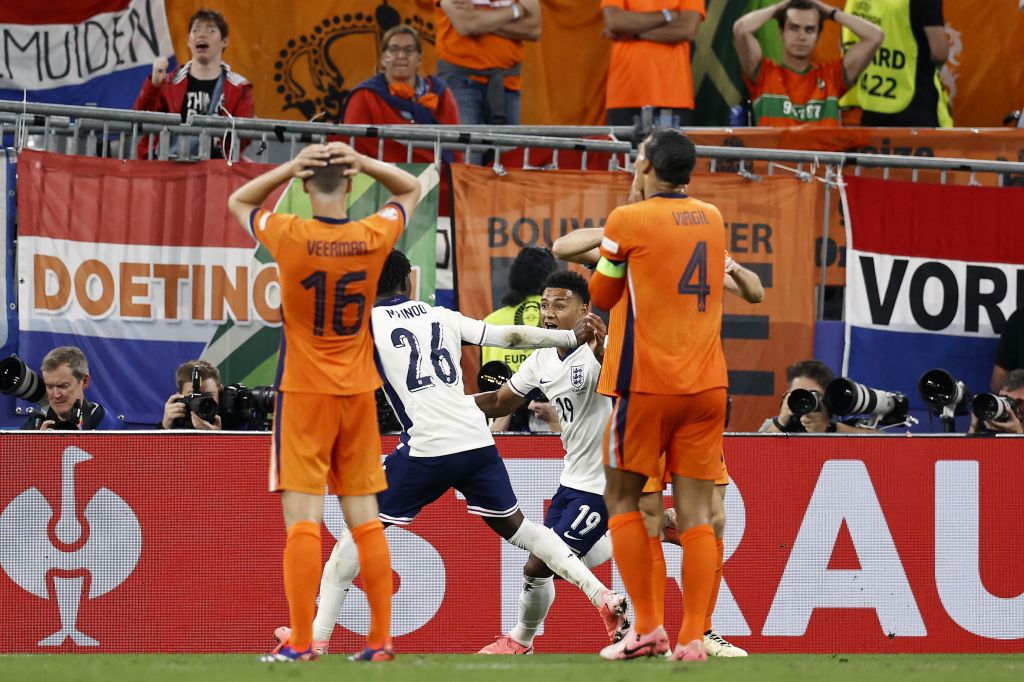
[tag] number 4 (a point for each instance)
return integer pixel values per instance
(698, 266)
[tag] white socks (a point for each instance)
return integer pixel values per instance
(339, 572)
(544, 544)
(599, 553)
(534, 603)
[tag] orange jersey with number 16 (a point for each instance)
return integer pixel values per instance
(664, 335)
(328, 272)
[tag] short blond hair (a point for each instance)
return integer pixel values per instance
(206, 371)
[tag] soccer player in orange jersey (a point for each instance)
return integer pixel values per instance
(583, 246)
(658, 273)
(325, 428)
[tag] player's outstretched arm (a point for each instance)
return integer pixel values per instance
(498, 403)
(743, 282)
(524, 336)
(247, 198)
(579, 246)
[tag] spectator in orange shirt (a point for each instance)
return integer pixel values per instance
(399, 95)
(480, 55)
(650, 63)
(798, 92)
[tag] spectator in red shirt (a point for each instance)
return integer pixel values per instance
(399, 95)
(204, 84)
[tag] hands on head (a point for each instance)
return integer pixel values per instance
(321, 155)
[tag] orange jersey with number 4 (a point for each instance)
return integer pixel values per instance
(664, 335)
(328, 272)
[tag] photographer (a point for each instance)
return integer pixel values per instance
(66, 376)
(814, 376)
(1012, 387)
(176, 408)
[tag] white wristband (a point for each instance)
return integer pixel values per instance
(517, 12)
(668, 16)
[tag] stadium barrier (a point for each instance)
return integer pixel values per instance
(145, 542)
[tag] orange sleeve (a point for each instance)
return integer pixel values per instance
(621, 4)
(605, 292)
(268, 228)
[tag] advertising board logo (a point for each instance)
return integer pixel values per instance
(80, 553)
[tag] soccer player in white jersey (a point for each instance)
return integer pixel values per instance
(445, 441)
(568, 378)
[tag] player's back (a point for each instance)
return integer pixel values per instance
(665, 331)
(419, 355)
(328, 272)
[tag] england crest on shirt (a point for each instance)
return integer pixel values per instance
(577, 378)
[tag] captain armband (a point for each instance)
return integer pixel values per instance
(610, 268)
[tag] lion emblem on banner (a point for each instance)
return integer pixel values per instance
(314, 73)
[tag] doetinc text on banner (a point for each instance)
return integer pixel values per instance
(770, 229)
(933, 277)
(833, 552)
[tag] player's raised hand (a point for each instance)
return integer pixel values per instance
(600, 331)
(583, 330)
(344, 155)
(159, 70)
(310, 157)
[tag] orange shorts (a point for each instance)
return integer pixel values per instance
(658, 484)
(656, 435)
(330, 439)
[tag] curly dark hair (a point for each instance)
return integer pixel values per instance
(526, 276)
(567, 279)
(396, 269)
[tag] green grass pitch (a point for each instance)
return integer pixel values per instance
(538, 668)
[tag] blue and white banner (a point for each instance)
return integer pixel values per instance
(66, 52)
(933, 273)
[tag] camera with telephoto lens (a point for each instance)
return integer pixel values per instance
(19, 380)
(992, 407)
(802, 401)
(201, 404)
(247, 409)
(844, 397)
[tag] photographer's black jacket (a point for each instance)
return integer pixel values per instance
(94, 418)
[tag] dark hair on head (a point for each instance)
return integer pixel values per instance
(526, 276)
(1013, 381)
(672, 155)
(567, 279)
(213, 16)
(392, 277)
(327, 179)
(810, 369)
(401, 30)
(183, 375)
(780, 14)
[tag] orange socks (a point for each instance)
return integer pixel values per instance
(632, 553)
(658, 577)
(715, 585)
(375, 568)
(699, 560)
(302, 580)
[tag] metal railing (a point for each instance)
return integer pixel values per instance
(117, 133)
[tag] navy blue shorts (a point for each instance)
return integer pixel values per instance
(415, 482)
(579, 518)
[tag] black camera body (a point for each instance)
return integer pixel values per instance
(802, 401)
(201, 404)
(74, 421)
(243, 408)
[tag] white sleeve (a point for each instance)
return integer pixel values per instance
(522, 336)
(525, 379)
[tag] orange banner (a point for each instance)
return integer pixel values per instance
(496, 216)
